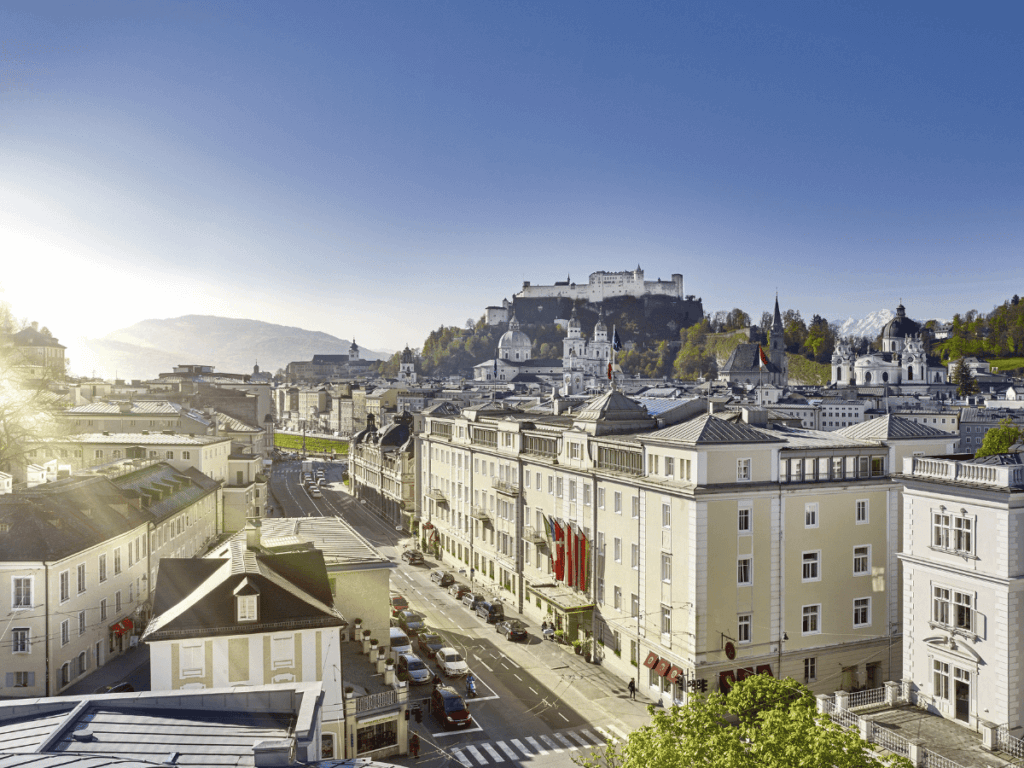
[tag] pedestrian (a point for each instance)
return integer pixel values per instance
(632, 689)
(414, 745)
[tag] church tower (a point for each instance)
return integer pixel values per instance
(777, 347)
(353, 352)
(407, 368)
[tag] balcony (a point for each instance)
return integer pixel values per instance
(437, 495)
(952, 471)
(534, 535)
(505, 487)
(479, 513)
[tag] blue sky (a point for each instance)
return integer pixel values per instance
(377, 169)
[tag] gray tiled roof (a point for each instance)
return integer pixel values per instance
(709, 429)
(745, 358)
(137, 438)
(148, 407)
(891, 427)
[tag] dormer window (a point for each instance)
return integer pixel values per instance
(247, 601)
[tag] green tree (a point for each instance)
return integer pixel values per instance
(777, 727)
(999, 439)
(964, 380)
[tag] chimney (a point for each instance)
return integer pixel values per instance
(755, 417)
(274, 753)
(252, 533)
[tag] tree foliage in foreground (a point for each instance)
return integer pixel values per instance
(999, 439)
(776, 725)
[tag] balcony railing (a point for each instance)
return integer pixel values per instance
(437, 495)
(505, 487)
(534, 535)
(377, 701)
(480, 513)
(1000, 476)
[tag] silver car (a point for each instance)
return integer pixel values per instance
(413, 666)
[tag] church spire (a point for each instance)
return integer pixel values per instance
(777, 321)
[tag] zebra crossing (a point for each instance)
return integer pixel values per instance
(485, 753)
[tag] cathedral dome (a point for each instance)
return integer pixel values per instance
(514, 344)
(900, 326)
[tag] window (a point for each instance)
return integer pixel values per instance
(742, 470)
(811, 566)
(572, 491)
(666, 620)
(940, 679)
(862, 612)
(103, 609)
(186, 455)
(810, 515)
(558, 487)
(653, 469)
(666, 568)
(246, 607)
(117, 561)
(743, 628)
(617, 549)
(670, 467)
(170, 454)
(574, 450)
(811, 619)
(65, 586)
(192, 659)
(618, 502)
(20, 640)
(862, 511)
(81, 623)
(952, 532)
(862, 560)
(586, 494)
(963, 613)
(634, 606)
(65, 632)
(636, 507)
(551, 483)
(877, 466)
(617, 593)
(837, 474)
(282, 651)
(634, 556)
(743, 519)
(600, 498)
(21, 592)
(744, 571)
(666, 515)
(117, 602)
(810, 670)
(103, 568)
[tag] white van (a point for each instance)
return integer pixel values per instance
(399, 642)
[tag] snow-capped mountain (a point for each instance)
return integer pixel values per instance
(866, 326)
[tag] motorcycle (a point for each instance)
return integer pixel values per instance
(471, 687)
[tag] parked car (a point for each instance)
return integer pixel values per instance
(451, 663)
(398, 604)
(458, 590)
(442, 578)
(429, 643)
(399, 641)
(412, 556)
(449, 708)
(413, 666)
(512, 629)
(410, 621)
(122, 687)
(471, 600)
(490, 612)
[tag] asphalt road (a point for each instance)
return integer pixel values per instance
(537, 704)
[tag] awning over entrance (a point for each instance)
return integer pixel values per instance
(123, 627)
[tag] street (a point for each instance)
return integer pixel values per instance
(538, 702)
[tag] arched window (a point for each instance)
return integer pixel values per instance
(885, 376)
(910, 373)
(839, 373)
(867, 377)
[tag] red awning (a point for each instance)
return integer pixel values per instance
(123, 627)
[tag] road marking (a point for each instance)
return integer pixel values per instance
(508, 750)
(484, 665)
(476, 753)
(461, 758)
(617, 732)
(566, 743)
(503, 666)
(535, 693)
(563, 717)
(482, 698)
(576, 737)
(534, 743)
(478, 729)
(608, 735)
(517, 677)
(551, 745)
(492, 752)
(522, 747)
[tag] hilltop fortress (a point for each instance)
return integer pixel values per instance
(605, 285)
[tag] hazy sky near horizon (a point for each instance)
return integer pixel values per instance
(376, 169)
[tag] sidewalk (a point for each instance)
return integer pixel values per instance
(131, 666)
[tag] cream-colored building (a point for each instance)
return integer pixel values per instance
(76, 568)
(963, 584)
(706, 550)
(382, 467)
(136, 416)
(206, 453)
(255, 617)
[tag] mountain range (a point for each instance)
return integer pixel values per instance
(869, 326)
(231, 345)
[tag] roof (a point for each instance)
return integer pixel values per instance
(709, 430)
(30, 337)
(745, 358)
(136, 407)
(231, 424)
(329, 359)
(891, 427)
(139, 438)
(613, 412)
(177, 488)
(195, 600)
(900, 326)
(340, 544)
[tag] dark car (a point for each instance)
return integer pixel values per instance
(398, 604)
(449, 708)
(410, 621)
(429, 643)
(512, 629)
(414, 667)
(458, 590)
(413, 556)
(442, 578)
(492, 613)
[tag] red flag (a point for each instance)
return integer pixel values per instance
(570, 550)
(763, 358)
(609, 371)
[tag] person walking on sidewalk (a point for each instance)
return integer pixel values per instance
(632, 688)
(414, 744)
